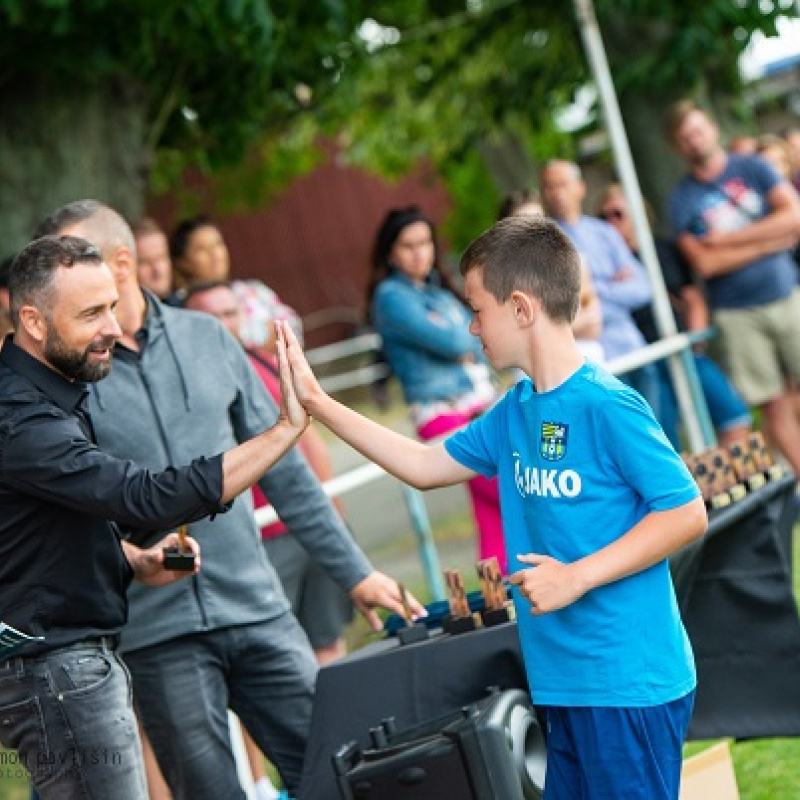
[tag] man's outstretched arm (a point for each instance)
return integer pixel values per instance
(243, 465)
(420, 465)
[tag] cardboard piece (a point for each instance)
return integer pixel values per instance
(709, 775)
(497, 609)
(456, 594)
(180, 558)
(412, 632)
(460, 619)
(491, 579)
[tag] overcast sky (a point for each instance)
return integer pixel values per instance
(765, 50)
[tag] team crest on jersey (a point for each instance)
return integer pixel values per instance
(553, 443)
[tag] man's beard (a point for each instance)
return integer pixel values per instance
(73, 364)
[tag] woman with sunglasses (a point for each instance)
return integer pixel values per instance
(729, 414)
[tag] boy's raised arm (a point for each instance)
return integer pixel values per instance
(421, 465)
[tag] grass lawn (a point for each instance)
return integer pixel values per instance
(766, 769)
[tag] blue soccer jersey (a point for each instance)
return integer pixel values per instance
(578, 467)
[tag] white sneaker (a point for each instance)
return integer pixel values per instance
(265, 790)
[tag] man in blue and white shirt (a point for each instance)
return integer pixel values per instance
(736, 221)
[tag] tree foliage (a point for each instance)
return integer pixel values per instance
(439, 79)
(211, 76)
(452, 79)
(455, 76)
(393, 80)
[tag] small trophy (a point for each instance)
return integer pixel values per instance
(714, 474)
(497, 608)
(763, 457)
(413, 631)
(745, 466)
(180, 558)
(460, 619)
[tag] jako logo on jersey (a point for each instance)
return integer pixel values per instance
(545, 482)
(553, 444)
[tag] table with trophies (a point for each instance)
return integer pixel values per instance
(734, 589)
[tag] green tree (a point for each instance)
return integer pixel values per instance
(104, 98)
(101, 96)
(445, 79)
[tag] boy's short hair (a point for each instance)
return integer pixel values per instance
(531, 255)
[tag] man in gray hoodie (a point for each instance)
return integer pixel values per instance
(181, 387)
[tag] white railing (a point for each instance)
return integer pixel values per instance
(650, 354)
(361, 376)
(357, 345)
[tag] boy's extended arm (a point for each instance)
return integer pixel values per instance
(421, 465)
(550, 584)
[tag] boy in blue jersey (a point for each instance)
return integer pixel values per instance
(594, 499)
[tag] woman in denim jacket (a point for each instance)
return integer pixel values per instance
(424, 324)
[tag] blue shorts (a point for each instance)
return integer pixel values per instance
(616, 753)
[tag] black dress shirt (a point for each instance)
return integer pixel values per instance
(63, 574)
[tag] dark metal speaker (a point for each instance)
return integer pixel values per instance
(493, 749)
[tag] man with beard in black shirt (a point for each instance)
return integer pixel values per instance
(65, 702)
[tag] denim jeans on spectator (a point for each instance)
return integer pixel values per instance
(726, 409)
(69, 716)
(265, 673)
(646, 381)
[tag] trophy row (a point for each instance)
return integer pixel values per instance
(727, 475)
(497, 608)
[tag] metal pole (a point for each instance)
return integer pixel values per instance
(687, 389)
(428, 554)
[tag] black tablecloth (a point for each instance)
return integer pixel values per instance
(735, 593)
(412, 683)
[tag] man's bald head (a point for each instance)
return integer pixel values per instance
(109, 230)
(102, 226)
